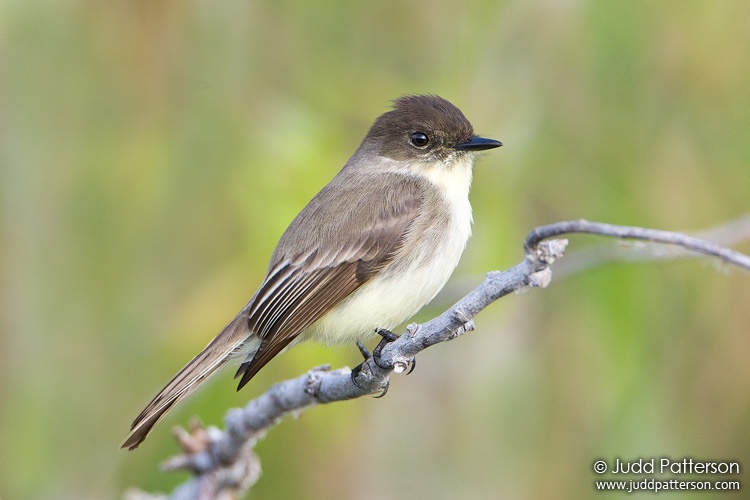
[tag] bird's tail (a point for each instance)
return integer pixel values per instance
(221, 349)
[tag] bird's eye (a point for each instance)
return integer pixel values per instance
(419, 140)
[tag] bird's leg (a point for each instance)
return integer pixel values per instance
(363, 350)
(388, 337)
(355, 371)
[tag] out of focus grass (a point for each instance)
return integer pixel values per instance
(151, 153)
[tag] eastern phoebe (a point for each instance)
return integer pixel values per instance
(371, 248)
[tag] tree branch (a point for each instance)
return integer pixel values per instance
(691, 243)
(223, 463)
(728, 234)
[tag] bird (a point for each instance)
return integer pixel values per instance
(375, 245)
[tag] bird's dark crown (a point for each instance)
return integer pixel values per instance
(420, 126)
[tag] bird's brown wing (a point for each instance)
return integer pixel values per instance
(302, 285)
(300, 289)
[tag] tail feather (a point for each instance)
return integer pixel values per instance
(220, 350)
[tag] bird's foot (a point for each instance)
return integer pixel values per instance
(399, 366)
(357, 369)
(388, 337)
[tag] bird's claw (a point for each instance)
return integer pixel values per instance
(388, 337)
(355, 372)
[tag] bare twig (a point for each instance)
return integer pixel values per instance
(694, 244)
(223, 463)
(728, 234)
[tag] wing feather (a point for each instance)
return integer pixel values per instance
(302, 287)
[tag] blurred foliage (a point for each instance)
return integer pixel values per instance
(152, 152)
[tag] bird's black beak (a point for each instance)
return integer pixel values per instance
(479, 144)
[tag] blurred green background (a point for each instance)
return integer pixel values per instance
(152, 152)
